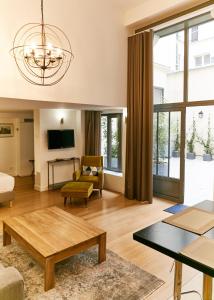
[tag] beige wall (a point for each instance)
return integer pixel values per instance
(14, 160)
(114, 182)
(99, 42)
(45, 119)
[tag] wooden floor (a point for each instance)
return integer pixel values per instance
(120, 218)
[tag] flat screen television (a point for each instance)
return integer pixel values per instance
(59, 139)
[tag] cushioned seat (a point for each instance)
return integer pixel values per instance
(77, 190)
(93, 165)
(92, 179)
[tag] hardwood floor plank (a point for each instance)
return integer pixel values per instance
(120, 218)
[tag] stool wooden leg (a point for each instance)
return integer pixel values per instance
(207, 287)
(177, 280)
(65, 200)
(86, 202)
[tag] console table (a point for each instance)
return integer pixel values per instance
(52, 163)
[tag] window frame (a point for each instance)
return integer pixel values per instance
(186, 25)
(109, 146)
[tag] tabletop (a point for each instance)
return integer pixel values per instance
(171, 240)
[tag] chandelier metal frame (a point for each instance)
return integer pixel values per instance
(39, 61)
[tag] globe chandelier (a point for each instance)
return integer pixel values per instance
(42, 52)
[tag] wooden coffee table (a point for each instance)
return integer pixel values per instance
(51, 235)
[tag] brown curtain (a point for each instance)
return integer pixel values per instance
(138, 181)
(92, 132)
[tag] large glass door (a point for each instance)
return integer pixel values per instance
(183, 69)
(168, 154)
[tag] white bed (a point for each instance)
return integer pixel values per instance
(7, 184)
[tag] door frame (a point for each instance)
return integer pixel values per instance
(167, 181)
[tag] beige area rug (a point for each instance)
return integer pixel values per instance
(81, 277)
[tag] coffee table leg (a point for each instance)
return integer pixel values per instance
(6, 237)
(102, 248)
(177, 280)
(207, 287)
(49, 275)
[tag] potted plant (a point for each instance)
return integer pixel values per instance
(176, 150)
(207, 143)
(191, 142)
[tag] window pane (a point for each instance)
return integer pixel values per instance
(199, 164)
(175, 135)
(207, 59)
(155, 144)
(158, 95)
(104, 139)
(111, 141)
(198, 61)
(201, 67)
(168, 67)
(115, 147)
(162, 139)
(194, 33)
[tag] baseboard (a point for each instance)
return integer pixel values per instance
(40, 188)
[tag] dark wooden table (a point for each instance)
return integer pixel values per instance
(171, 240)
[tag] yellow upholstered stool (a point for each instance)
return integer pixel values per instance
(76, 189)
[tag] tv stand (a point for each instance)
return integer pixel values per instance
(53, 162)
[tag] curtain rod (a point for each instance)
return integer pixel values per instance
(174, 16)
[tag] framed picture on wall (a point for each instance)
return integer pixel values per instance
(6, 130)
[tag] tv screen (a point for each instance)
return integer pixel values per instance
(59, 139)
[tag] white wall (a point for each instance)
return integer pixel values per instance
(13, 160)
(115, 183)
(99, 42)
(45, 119)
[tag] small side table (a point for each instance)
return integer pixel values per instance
(54, 162)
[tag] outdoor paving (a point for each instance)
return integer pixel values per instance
(199, 179)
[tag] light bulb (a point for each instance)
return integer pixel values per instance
(49, 46)
(27, 51)
(58, 52)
